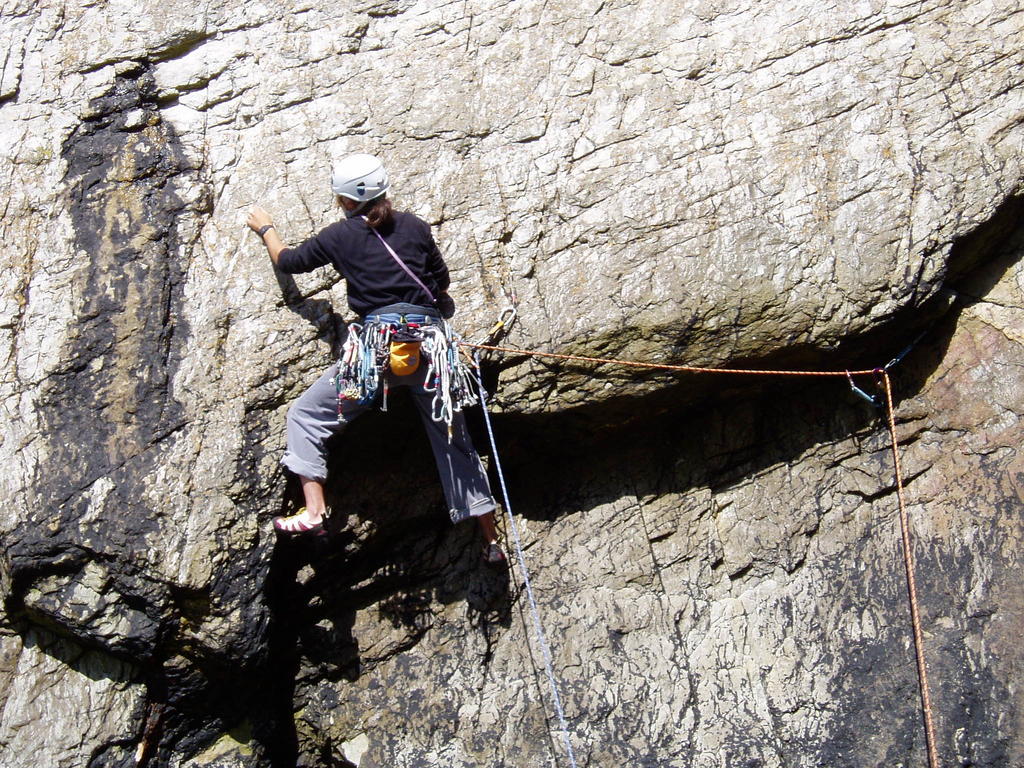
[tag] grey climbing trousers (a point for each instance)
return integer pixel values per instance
(313, 418)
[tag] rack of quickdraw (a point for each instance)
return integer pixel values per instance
(372, 350)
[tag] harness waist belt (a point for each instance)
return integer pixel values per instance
(403, 308)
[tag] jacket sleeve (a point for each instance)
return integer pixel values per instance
(436, 268)
(306, 257)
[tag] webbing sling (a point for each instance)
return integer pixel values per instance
(401, 263)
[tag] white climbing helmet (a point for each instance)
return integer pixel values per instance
(359, 177)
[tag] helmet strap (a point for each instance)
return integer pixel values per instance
(355, 211)
(358, 210)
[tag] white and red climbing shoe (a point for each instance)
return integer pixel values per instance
(297, 525)
(494, 555)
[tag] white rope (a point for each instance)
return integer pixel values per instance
(438, 379)
(538, 628)
(447, 375)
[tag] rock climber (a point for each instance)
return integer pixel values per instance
(396, 279)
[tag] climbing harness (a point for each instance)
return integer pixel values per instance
(374, 349)
(371, 350)
(521, 559)
(882, 400)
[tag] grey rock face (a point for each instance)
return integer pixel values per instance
(720, 587)
(716, 560)
(72, 700)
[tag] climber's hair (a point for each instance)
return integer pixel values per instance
(379, 212)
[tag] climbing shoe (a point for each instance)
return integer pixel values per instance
(295, 525)
(494, 555)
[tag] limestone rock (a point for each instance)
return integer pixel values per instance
(62, 705)
(715, 561)
(724, 587)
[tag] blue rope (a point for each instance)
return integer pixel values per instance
(541, 640)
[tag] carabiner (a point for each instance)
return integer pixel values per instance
(505, 319)
(873, 399)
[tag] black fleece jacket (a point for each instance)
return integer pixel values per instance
(374, 279)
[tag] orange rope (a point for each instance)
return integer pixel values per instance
(908, 560)
(661, 366)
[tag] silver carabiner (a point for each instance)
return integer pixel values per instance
(505, 319)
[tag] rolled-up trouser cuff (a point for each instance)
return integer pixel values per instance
(304, 468)
(479, 508)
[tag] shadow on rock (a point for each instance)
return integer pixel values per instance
(319, 313)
